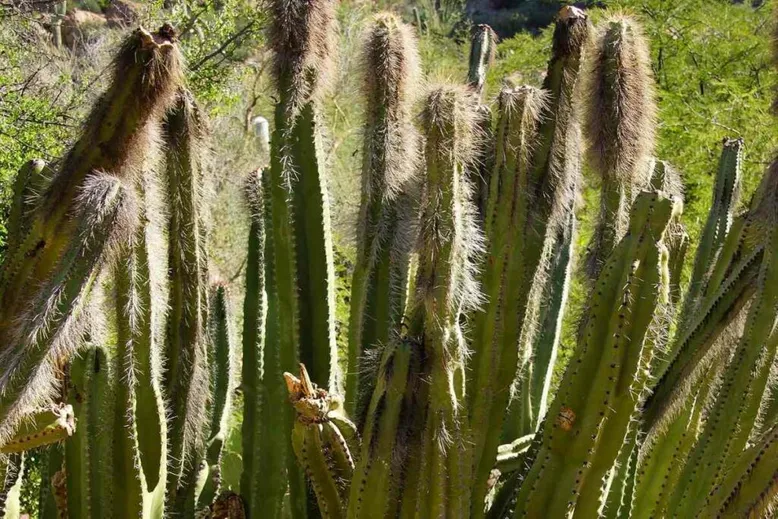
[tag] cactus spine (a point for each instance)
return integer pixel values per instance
(445, 287)
(620, 124)
(384, 238)
(221, 359)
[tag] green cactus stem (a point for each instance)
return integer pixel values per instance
(378, 474)
(263, 425)
(389, 164)
(44, 427)
(302, 299)
(750, 485)
(589, 419)
(545, 186)
(735, 411)
(30, 183)
(115, 140)
(726, 192)
(186, 344)
(445, 287)
(620, 123)
(483, 48)
(52, 327)
(221, 359)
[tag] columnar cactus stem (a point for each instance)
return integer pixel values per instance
(114, 140)
(376, 484)
(51, 328)
(30, 183)
(445, 287)
(221, 359)
(620, 125)
(751, 483)
(186, 344)
(545, 191)
(263, 425)
(726, 192)
(483, 48)
(303, 298)
(588, 421)
(140, 429)
(146, 72)
(735, 412)
(389, 164)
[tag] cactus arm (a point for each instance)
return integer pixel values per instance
(42, 428)
(511, 456)
(750, 485)
(186, 339)
(734, 413)
(372, 489)
(145, 70)
(313, 246)
(548, 188)
(309, 448)
(726, 190)
(600, 375)
(659, 463)
(691, 349)
(390, 67)
(105, 214)
(483, 48)
(30, 183)
(77, 449)
(221, 360)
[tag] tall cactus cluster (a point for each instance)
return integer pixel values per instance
(117, 351)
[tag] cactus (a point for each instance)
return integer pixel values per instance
(453, 328)
(11, 469)
(389, 165)
(544, 188)
(221, 357)
(620, 123)
(79, 201)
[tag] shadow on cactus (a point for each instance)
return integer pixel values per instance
(118, 352)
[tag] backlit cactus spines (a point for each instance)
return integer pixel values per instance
(186, 341)
(11, 468)
(221, 359)
(597, 397)
(389, 165)
(620, 125)
(545, 195)
(50, 329)
(483, 48)
(115, 138)
(378, 474)
(445, 287)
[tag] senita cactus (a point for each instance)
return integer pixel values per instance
(464, 246)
